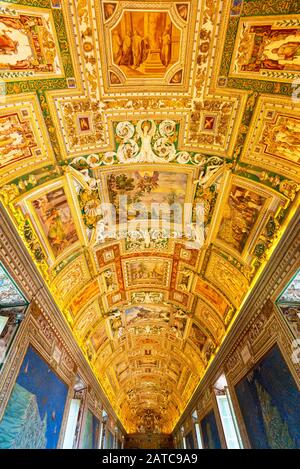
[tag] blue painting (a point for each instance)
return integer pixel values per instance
(34, 414)
(109, 440)
(210, 434)
(91, 432)
(190, 441)
(270, 404)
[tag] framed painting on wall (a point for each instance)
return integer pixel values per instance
(210, 433)
(34, 413)
(190, 444)
(269, 400)
(91, 432)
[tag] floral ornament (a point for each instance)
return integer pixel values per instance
(149, 142)
(93, 160)
(165, 149)
(109, 158)
(9, 192)
(90, 207)
(32, 242)
(128, 151)
(167, 128)
(183, 157)
(125, 130)
(289, 188)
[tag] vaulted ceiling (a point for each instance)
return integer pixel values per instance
(167, 102)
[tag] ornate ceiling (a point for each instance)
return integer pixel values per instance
(166, 102)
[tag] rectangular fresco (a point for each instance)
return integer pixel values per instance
(197, 337)
(210, 295)
(28, 44)
(91, 432)
(149, 272)
(210, 434)
(145, 43)
(281, 138)
(9, 293)
(146, 188)
(269, 400)
(239, 216)
(267, 47)
(34, 414)
(17, 139)
(99, 337)
(56, 219)
(84, 297)
(147, 313)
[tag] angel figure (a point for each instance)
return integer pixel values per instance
(146, 130)
(147, 238)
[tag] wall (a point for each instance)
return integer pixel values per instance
(259, 327)
(45, 331)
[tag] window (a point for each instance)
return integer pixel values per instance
(228, 419)
(183, 438)
(197, 429)
(198, 435)
(103, 439)
(74, 422)
(71, 424)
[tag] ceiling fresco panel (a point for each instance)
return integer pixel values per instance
(267, 48)
(24, 141)
(145, 44)
(28, 43)
(274, 140)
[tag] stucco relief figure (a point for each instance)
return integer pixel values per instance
(146, 130)
(178, 323)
